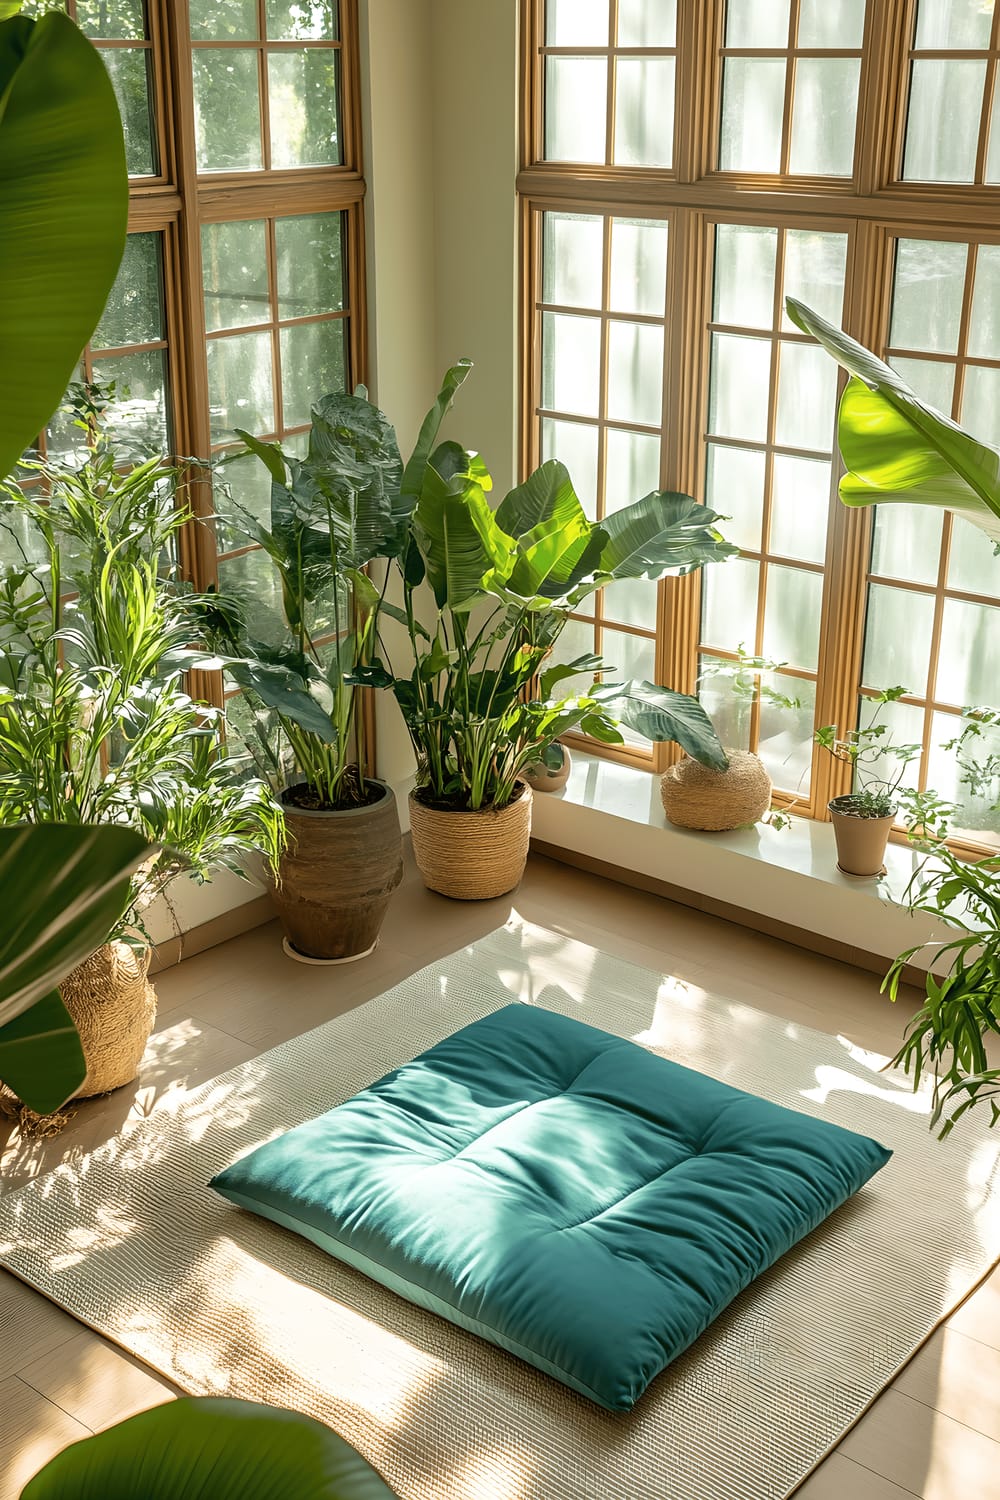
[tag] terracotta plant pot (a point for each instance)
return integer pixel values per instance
(337, 876)
(541, 779)
(860, 841)
(471, 856)
(113, 1006)
(695, 796)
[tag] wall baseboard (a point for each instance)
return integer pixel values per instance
(220, 929)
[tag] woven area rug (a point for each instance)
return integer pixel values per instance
(131, 1242)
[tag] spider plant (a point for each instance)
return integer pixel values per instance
(96, 635)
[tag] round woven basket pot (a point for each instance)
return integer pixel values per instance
(337, 876)
(113, 1006)
(694, 796)
(471, 856)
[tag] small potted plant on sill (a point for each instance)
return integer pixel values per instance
(486, 595)
(96, 725)
(863, 818)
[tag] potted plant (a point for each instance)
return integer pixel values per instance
(863, 818)
(96, 726)
(486, 595)
(333, 513)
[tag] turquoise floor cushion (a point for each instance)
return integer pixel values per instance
(584, 1204)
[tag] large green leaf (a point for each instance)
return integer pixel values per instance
(464, 550)
(63, 214)
(62, 888)
(662, 533)
(413, 475)
(661, 714)
(209, 1448)
(896, 447)
(351, 478)
(284, 689)
(553, 534)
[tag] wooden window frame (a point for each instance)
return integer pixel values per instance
(876, 206)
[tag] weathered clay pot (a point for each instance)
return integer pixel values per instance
(541, 779)
(695, 796)
(471, 856)
(113, 1006)
(860, 841)
(337, 875)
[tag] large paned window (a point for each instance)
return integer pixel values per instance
(240, 299)
(684, 169)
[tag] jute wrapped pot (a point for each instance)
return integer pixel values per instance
(471, 856)
(113, 1006)
(694, 796)
(337, 876)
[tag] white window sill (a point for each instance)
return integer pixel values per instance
(612, 813)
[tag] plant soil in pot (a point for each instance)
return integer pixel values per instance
(338, 873)
(471, 856)
(861, 841)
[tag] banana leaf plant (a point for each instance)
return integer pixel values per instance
(896, 447)
(343, 506)
(486, 595)
(63, 213)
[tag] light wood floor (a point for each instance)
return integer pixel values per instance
(935, 1433)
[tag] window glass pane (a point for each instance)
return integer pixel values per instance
(729, 591)
(310, 265)
(993, 147)
(302, 99)
(807, 398)
(573, 260)
(227, 110)
(973, 565)
(643, 25)
(234, 267)
(141, 417)
(575, 445)
(954, 23)
(792, 615)
(242, 482)
(639, 266)
(738, 389)
(734, 488)
(786, 734)
(927, 295)
(128, 70)
(815, 270)
(134, 310)
(635, 373)
(942, 123)
(312, 365)
(633, 659)
(970, 778)
(753, 106)
(932, 380)
(253, 580)
(223, 20)
(728, 710)
(121, 21)
(981, 401)
(967, 672)
(757, 23)
(824, 112)
(575, 640)
(632, 602)
(577, 23)
(302, 20)
(800, 507)
(644, 112)
(904, 724)
(907, 542)
(984, 324)
(898, 638)
(633, 468)
(571, 364)
(240, 385)
(831, 23)
(744, 275)
(576, 101)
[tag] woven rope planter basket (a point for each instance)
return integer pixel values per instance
(113, 1006)
(471, 856)
(694, 796)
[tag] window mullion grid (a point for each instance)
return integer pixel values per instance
(786, 120)
(263, 86)
(602, 408)
(989, 85)
(612, 89)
